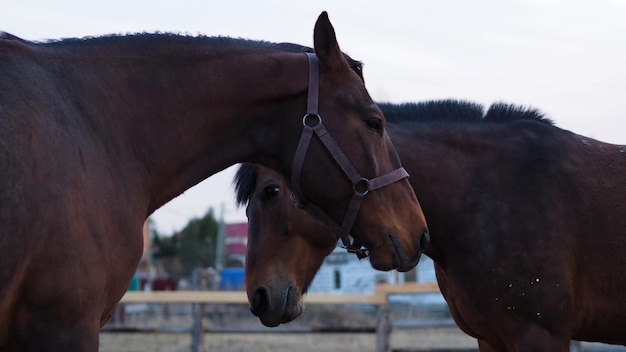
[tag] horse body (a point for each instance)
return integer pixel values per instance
(525, 221)
(524, 226)
(96, 134)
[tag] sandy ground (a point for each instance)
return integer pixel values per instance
(423, 338)
(420, 339)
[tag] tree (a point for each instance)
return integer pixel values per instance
(194, 245)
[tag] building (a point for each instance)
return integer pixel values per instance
(235, 243)
(341, 272)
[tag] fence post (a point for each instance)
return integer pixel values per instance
(383, 328)
(197, 311)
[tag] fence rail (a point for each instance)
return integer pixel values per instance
(217, 297)
(200, 298)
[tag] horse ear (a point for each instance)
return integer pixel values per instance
(325, 43)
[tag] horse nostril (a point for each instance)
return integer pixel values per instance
(424, 240)
(260, 301)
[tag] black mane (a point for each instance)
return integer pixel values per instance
(174, 44)
(9, 36)
(245, 182)
(169, 44)
(170, 41)
(503, 113)
(458, 111)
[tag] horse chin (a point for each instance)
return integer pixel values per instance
(404, 262)
(293, 307)
(398, 260)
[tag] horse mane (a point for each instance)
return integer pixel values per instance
(9, 36)
(155, 41)
(158, 41)
(459, 111)
(503, 113)
(244, 182)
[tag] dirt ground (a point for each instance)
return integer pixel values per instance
(423, 338)
(417, 339)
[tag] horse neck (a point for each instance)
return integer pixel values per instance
(445, 161)
(176, 117)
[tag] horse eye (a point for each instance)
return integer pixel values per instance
(375, 124)
(270, 192)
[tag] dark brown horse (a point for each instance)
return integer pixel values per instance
(527, 227)
(95, 134)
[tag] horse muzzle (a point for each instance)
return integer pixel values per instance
(403, 261)
(276, 309)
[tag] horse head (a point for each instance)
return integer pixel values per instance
(286, 246)
(361, 190)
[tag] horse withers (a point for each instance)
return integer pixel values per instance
(97, 133)
(526, 224)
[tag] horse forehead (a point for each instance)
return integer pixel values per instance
(267, 176)
(354, 99)
(345, 81)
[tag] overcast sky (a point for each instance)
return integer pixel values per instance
(567, 58)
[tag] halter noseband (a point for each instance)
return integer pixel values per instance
(312, 123)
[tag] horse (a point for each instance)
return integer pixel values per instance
(97, 133)
(526, 222)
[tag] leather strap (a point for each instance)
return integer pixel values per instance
(312, 124)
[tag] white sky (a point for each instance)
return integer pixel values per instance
(567, 58)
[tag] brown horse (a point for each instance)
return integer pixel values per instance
(527, 227)
(95, 134)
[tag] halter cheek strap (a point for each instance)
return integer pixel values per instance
(312, 124)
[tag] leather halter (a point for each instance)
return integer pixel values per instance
(312, 124)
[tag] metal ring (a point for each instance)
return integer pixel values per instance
(307, 115)
(292, 197)
(363, 183)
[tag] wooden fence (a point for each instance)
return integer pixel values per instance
(199, 298)
(379, 298)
